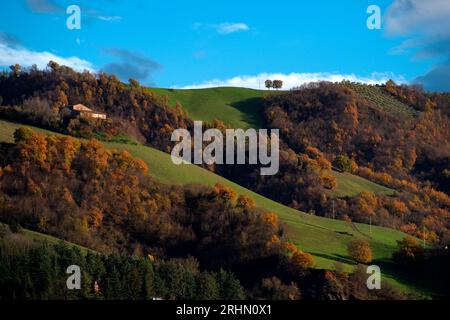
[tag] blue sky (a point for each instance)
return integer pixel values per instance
(206, 43)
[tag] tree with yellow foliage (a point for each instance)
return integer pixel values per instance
(360, 251)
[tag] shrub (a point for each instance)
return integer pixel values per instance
(344, 163)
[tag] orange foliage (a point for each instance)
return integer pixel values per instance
(360, 251)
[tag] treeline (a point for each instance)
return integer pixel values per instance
(38, 271)
(408, 154)
(39, 97)
(415, 97)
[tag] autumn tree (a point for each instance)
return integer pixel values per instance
(16, 69)
(360, 251)
(300, 260)
(134, 83)
(273, 289)
(409, 251)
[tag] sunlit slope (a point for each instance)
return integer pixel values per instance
(351, 185)
(236, 107)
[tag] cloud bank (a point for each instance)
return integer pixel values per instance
(292, 80)
(10, 54)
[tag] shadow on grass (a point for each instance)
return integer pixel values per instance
(334, 257)
(253, 111)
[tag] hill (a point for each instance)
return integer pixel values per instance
(243, 108)
(326, 239)
(236, 107)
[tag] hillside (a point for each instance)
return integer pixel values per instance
(382, 100)
(41, 237)
(243, 108)
(236, 107)
(326, 239)
(351, 185)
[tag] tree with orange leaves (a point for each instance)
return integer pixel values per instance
(360, 251)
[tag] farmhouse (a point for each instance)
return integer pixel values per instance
(83, 111)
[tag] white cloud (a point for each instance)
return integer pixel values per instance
(110, 18)
(11, 55)
(223, 28)
(425, 25)
(226, 28)
(405, 17)
(292, 80)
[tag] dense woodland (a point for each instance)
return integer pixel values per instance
(104, 200)
(33, 270)
(408, 154)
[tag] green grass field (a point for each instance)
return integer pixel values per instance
(52, 240)
(40, 237)
(325, 239)
(237, 107)
(350, 185)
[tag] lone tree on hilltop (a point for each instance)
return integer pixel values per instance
(269, 84)
(277, 84)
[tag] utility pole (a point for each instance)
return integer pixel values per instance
(333, 209)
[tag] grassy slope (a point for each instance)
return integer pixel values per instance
(242, 108)
(237, 107)
(52, 240)
(324, 238)
(40, 237)
(350, 185)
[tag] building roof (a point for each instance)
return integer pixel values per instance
(82, 108)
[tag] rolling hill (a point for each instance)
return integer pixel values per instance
(324, 238)
(243, 108)
(236, 107)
